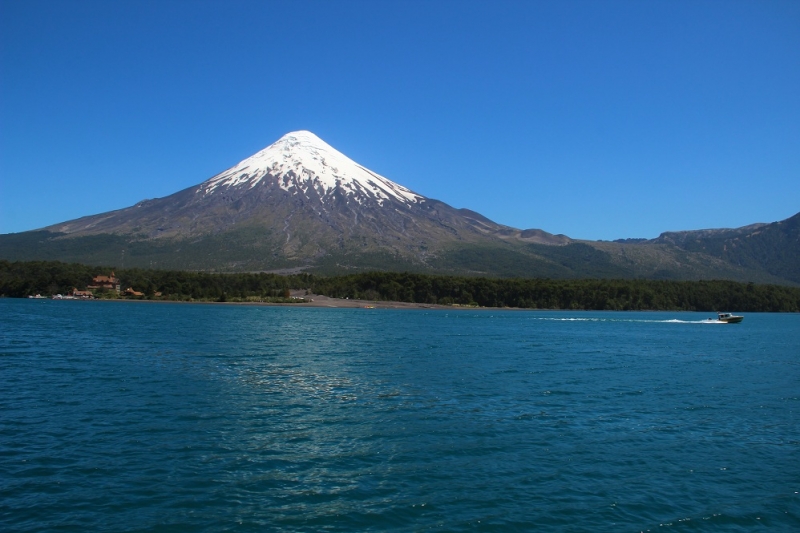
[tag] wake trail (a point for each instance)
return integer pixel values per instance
(668, 321)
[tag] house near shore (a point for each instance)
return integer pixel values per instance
(83, 295)
(110, 283)
(130, 292)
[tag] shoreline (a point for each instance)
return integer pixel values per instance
(327, 302)
(315, 301)
(322, 302)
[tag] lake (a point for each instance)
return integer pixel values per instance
(126, 416)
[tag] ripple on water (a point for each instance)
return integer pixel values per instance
(211, 418)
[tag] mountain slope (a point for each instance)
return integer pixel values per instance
(299, 204)
(774, 248)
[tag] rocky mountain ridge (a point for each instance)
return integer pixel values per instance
(300, 204)
(307, 200)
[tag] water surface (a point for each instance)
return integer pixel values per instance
(124, 416)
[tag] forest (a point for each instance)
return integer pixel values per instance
(26, 278)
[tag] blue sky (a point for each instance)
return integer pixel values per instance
(596, 119)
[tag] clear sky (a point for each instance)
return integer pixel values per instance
(596, 119)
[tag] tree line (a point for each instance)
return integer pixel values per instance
(21, 279)
(588, 294)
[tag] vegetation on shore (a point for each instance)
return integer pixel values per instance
(22, 279)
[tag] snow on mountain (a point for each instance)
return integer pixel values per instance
(300, 160)
(308, 198)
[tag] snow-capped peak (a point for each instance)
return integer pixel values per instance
(300, 160)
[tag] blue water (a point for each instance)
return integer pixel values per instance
(124, 416)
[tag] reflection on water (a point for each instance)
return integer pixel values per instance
(202, 417)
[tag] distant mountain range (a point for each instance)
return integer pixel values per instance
(299, 204)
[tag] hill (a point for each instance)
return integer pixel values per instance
(300, 205)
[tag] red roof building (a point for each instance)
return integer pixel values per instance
(105, 282)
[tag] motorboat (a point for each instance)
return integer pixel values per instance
(728, 318)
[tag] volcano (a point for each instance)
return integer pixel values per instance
(297, 203)
(301, 205)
